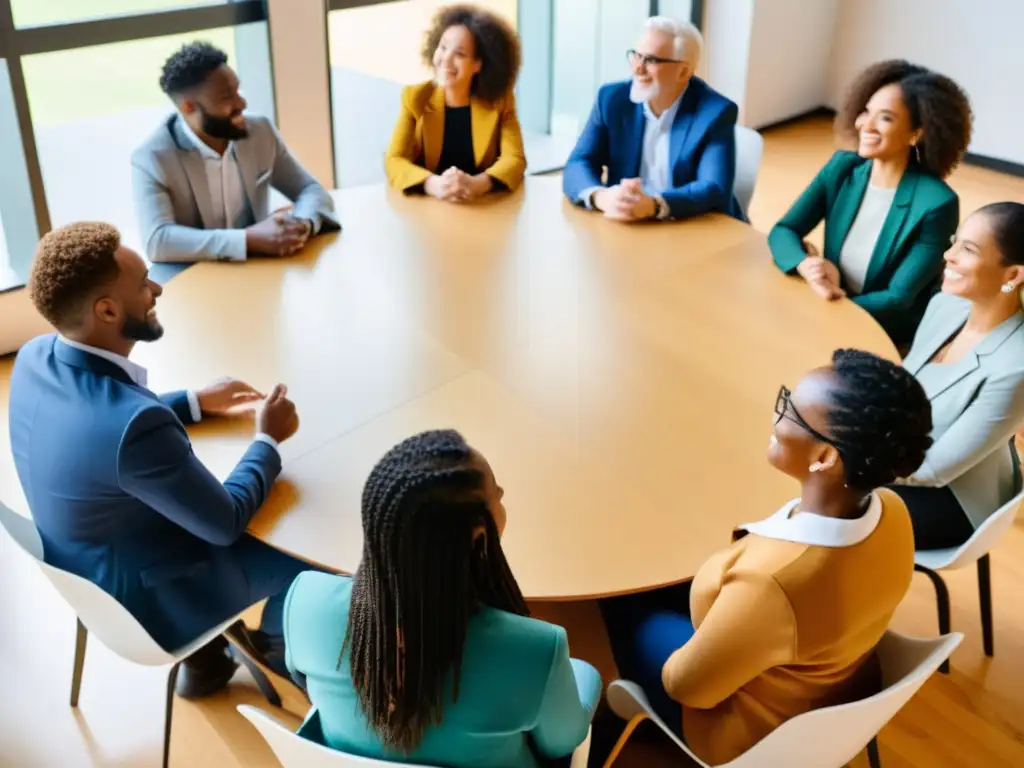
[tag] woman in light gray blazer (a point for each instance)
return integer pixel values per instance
(968, 355)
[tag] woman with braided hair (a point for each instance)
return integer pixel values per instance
(969, 357)
(785, 620)
(428, 654)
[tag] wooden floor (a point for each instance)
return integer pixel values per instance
(972, 718)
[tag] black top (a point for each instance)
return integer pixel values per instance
(457, 149)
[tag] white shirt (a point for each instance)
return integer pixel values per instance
(140, 376)
(227, 192)
(816, 530)
(855, 255)
(654, 158)
(655, 170)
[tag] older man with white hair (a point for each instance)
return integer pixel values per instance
(665, 138)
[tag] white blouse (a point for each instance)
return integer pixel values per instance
(855, 255)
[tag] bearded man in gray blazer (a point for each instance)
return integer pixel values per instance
(201, 182)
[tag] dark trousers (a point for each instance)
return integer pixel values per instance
(644, 630)
(938, 519)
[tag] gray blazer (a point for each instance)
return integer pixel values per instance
(977, 406)
(172, 198)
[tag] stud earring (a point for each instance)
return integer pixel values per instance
(1007, 288)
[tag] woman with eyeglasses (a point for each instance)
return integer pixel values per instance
(888, 212)
(969, 357)
(427, 654)
(457, 136)
(785, 620)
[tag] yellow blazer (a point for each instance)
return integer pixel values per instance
(419, 135)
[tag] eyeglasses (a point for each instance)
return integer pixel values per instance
(784, 409)
(644, 59)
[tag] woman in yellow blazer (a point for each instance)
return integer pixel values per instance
(457, 136)
(786, 619)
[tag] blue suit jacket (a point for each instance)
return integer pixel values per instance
(702, 149)
(119, 497)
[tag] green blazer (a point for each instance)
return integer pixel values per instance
(906, 266)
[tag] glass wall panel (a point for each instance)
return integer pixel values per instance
(30, 13)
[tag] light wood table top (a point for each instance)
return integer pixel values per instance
(619, 378)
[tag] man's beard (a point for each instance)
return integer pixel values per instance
(221, 127)
(639, 94)
(142, 330)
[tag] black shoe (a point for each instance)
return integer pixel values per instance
(206, 671)
(260, 647)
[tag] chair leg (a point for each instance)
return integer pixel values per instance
(942, 598)
(873, 758)
(626, 733)
(262, 681)
(172, 678)
(985, 598)
(81, 637)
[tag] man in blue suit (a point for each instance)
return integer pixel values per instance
(665, 137)
(114, 488)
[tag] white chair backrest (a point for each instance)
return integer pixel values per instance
(833, 736)
(749, 149)
(102, 615)
(976, 547)
(294, 751)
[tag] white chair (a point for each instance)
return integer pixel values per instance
(974, 550)
(294, 751)
(749, 149)
(824, 738)
(102, 615)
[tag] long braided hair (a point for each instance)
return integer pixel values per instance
(425, 570)
(880, 419)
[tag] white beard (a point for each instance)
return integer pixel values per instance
(640, 94)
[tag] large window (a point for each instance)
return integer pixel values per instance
(79, 91)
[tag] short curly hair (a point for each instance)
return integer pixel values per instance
(936, 104)
(497, 47)
(879, 418)
(189, 67)
(71, 263)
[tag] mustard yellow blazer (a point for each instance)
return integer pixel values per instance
(419, 135)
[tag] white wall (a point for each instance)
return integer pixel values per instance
(727, 30)
(975, 42)
(789, 52)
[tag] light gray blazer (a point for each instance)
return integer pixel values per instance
(977, 406)
(172, 198)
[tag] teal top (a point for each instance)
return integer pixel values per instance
(906, 263)
(518, 685)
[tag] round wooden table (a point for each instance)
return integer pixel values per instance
(620, 378)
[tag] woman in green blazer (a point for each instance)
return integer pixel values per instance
(889, 215)
(427, 654)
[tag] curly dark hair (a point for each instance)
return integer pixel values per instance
(1007, 220)
(879, 417)
(936, 104)
(71, 263)
(189, 67)
(497, 47)
(423, 574)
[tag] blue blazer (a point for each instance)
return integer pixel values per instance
(702, 149)
(119, 497)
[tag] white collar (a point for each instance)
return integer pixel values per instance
(201, 146)
(135, 372)
(667, 117)
(817, 530)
